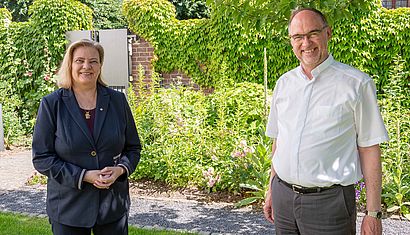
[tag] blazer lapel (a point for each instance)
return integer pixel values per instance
(74, 110)
(103, 99)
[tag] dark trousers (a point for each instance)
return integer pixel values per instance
(332, 211)
(119, 227)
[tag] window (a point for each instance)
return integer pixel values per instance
(392, 4)
(387, 4)
(401, 3)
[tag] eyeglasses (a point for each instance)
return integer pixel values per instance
(314, 34)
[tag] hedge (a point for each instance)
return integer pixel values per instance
(207, 48)
(31, 52)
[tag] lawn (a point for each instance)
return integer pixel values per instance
(16, 224)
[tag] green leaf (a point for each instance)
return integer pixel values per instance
(246, 201)
(393, 209)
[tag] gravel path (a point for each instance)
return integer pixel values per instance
(15, 169)
(162, 213)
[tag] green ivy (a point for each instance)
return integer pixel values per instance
(31, 52)
(372, 40)
(221, 47)
(259, 13)
(4, 15)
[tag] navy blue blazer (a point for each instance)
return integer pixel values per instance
(64, 148)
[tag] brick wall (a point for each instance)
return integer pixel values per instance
(143, 53)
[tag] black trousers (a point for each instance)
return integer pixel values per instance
(332, 211)
(119, 227)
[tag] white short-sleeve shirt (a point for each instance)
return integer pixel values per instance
(319, 123)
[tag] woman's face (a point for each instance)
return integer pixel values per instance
(86, 66)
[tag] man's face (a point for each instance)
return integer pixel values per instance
(309, 37)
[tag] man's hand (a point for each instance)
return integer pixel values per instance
(268, 209)
(371, 226)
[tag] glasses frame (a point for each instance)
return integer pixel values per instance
(313, 33)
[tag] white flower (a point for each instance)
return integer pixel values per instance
(209, 173)
(249, 150)
(237, 154)
(242, 143)
(212, 181)
(7, 22)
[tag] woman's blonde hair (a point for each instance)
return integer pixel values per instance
(65, 79)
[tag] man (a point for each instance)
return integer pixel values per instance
(327, 129)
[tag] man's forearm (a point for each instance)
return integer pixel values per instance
(273, 172)
(272, 169)
(372, 174)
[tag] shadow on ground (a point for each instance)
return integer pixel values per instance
(195, 216)
(164, 214)
(183, 214)
(32, 202)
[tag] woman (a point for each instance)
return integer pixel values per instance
(86, 143)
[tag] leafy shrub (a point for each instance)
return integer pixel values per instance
(106, 14)
(18, 9)
(194, 140)
(12, 122)
(257, 183)
(396, 163)
(395, 109)
(190, 9)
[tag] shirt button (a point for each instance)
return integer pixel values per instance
(93, 153)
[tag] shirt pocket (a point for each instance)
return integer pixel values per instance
(326, 120)
(329, 112)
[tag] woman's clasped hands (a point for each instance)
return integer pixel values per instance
(104, 178)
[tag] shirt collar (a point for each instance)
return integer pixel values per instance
(323, 66)
(320, 68)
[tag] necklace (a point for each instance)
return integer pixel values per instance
(87, 114)
(84, 100)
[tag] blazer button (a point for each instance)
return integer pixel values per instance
(93, 153)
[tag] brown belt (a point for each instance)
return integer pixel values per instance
(305, 190)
